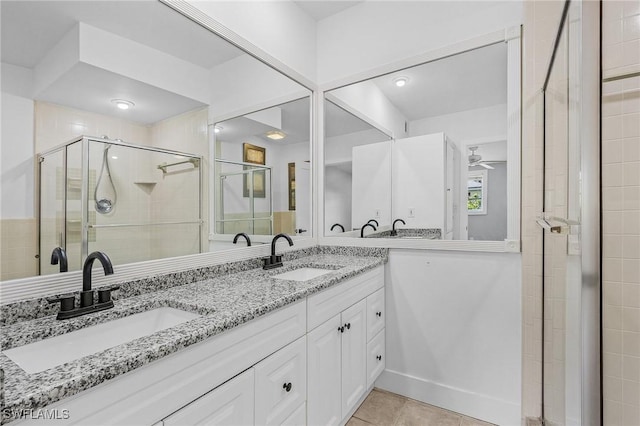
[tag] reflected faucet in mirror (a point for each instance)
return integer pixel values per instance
(393, 227)
(87, 306)
(367, 224)
(274, 261)
(337, 225)
(242, 234)
(374, 221)
(59, 256)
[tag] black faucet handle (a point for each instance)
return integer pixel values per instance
(67, 303)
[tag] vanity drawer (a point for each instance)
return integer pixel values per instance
(376, 358)
(375, 313)
(281, 383)
(328, 303)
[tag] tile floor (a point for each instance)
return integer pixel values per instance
(383, 408)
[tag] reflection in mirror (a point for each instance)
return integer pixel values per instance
(357, 173)
(448, 118)
(149, 80)
(262, 172)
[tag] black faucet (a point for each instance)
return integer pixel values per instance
(242, 234)
(362, 229)
(274, 261)
(393, 227)
(376, 222)
(67, 303)
(58, 255)
(337, 224)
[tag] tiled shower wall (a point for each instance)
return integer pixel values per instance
(621, 214)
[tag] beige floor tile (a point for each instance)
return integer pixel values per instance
(381, 408)
(354, 421)
(468, 421)
(415, 413)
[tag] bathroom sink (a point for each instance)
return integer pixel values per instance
(48, 353)
(303, 274)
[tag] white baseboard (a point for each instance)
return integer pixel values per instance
(479, 406)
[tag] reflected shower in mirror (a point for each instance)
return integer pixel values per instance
(144, 86)
(448, 167)
(262, 171)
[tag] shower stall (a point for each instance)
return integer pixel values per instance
(244, 198)
(133, 202)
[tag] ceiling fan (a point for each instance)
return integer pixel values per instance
(476, 159)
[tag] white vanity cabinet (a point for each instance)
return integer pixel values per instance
(337, 347)
(229, 404)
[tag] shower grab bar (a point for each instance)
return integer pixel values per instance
(545, 223)
(194, 161)
(621, 76)
(116, 225)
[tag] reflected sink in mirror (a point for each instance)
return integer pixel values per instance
(303, 274)
(48, 353)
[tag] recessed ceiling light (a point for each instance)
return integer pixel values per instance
(276, 135)
(401, 81)
(122, 104)
(217, 129)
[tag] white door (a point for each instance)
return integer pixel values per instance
(354, 350)
(323, 379)
(229, 404)
(303, 198)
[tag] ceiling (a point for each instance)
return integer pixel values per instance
(296, 124)
(319, 10)
(31, 29)
(466, 81)
(340, 122)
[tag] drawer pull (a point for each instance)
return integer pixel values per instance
(341, 329)
(287, 387)
(348, 325)
(379, 357)
(379, 314)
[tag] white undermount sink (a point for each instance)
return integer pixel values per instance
(303, 274)
(48, 353)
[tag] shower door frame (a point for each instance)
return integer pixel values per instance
(589, 130)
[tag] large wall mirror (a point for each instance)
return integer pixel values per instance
(444, 173)
(109, 117)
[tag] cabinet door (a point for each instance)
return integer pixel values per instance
(323, 374)
(297, 418)
(376, 358)
(228, 404)
(375, 313)
(281, 383)
(354, 352)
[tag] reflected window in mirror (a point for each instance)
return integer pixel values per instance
(262, 172)
(476, 192)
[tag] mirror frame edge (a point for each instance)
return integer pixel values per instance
(19, 289)
(512, 244)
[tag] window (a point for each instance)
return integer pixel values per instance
(477, 192)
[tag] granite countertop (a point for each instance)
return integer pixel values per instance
(224, 302)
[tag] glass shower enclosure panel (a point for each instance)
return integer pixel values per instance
(133, 202)
(245, 199)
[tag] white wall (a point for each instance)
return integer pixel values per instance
(16, 153)
(454, 331)
(366, 99)
(375, 33)
(339, 148)
(473, 124)
(279, 28)
(371, 182)
(337, 199)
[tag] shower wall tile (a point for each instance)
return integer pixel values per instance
(18, 248)
(621, 215)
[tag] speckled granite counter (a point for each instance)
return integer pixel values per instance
(225, 301)
(415, 233)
